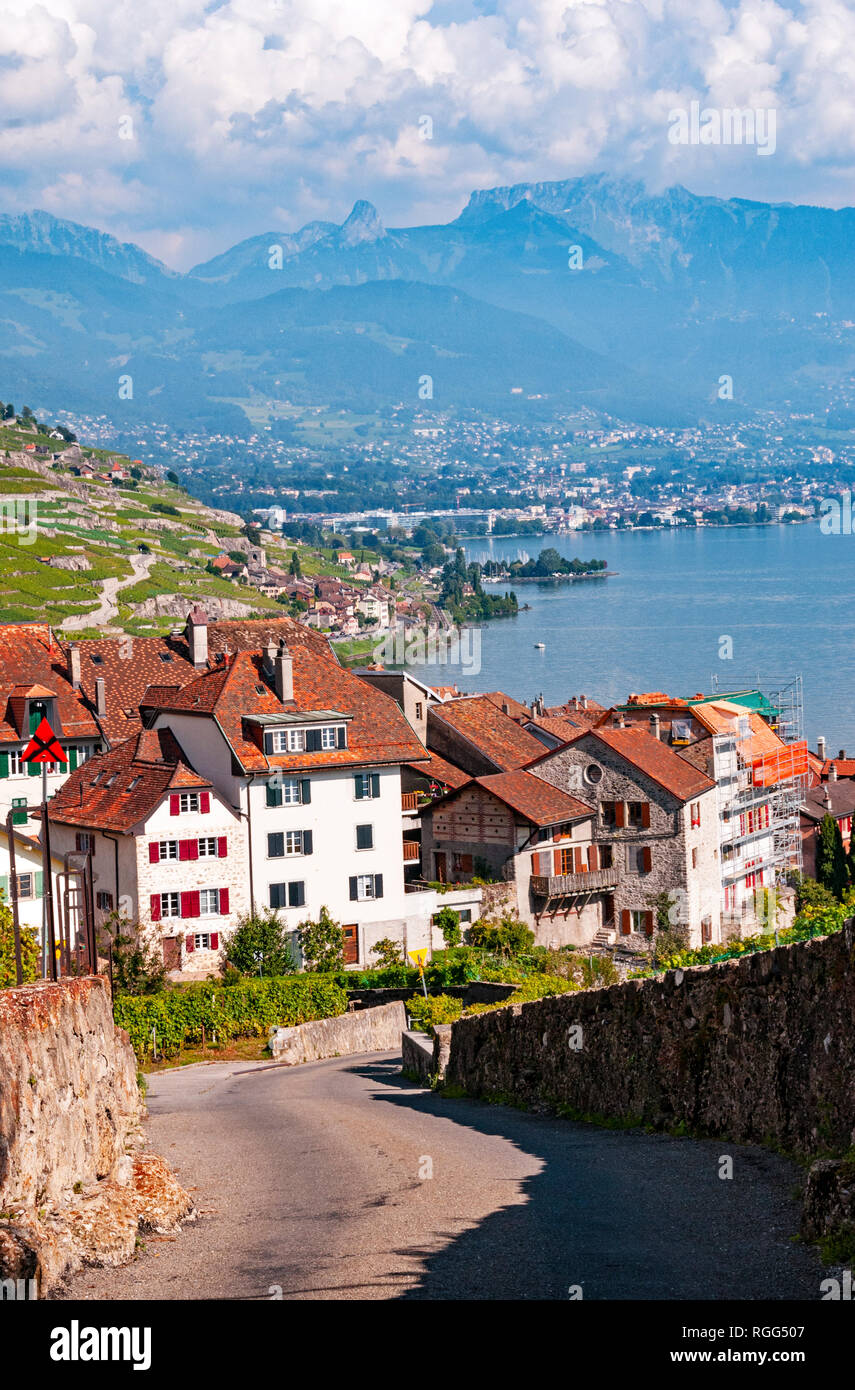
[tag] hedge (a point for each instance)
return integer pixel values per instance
(245, 1010)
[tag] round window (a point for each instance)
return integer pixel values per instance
(593, 774)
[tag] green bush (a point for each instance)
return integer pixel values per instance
(509, 937)
(437, 1008)
(29, 950)
(239, 1011)
(259, 946)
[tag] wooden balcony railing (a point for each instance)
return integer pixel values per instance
(409, 801)
(412, 851)
(565, 885)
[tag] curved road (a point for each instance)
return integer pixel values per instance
(312, 1183)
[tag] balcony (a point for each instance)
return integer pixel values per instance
(409, 801)
(412, 851)
(567, 885)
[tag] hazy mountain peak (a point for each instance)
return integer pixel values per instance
(362, 225)
(46, 235)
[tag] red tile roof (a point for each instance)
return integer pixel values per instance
(441, 770)
(33, 664)
(129, 666)
(482, 723)
(378, 733)
(657, 760)
(514, 708)
(531, 797)
(153, 756)
(845, 767)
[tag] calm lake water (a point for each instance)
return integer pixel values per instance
(785, 595)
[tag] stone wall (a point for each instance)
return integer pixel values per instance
(74, 1187)
(760, 1049)
(69, 1098)
(368, 1030)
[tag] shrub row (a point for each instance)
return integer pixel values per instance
(244, 1010)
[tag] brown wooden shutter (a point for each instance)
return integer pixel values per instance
(648, 923)
(556, 859)
(646, 859)
(645, 813)
(593, 858)
(619, 813)
(625, 921)
(578, 866)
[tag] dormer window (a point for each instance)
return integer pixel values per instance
(319, 738)
(135, 783)
(96, 658)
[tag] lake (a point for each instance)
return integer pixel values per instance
(784, 595)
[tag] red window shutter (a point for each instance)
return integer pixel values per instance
(648, 923)
(154, 852)
(224, 902)
(189, 942)
(205, 803)
(184, 849)
(154, 907)
(194, 849)
(645, 813)
(578, 866)
(215, 941)
(647, 859)
(619, 817)
(187, 905)
(222, 846)
(625, 922)
(175, 805)
(593, 858)
(556, 861)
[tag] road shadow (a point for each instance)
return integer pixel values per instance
(614, 1214)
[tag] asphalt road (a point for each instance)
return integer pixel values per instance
(312, 1184)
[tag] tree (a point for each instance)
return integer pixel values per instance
(259, 946)
(448, 922)
(670, 928)
(388, 953)
(321, 943)
(29, 950)
(295, 568)
(138, 967)
(831, 866)
(172, 477)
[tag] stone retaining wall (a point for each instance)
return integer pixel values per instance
(368, 1030)
(760, 1049)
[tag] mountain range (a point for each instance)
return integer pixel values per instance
(538, 297)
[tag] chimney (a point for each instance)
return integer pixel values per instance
(270, 656)
(575, 701)
(74, 665)
(654, 725)
(283, 673)
(832, 776)
(100, 696)
(820, 748)
(842, 753)
(506, 709)
(197, 636)
(584, 702)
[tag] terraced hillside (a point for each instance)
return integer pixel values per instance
(91, 547)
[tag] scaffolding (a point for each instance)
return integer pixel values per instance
(759, 796)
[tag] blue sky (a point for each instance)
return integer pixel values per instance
(186, 126)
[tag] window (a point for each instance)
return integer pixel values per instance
(19, 810)
(365, 886)
(366, 786)
(188, 801)
(639, 860)
(170, 905)
(420, 709)
(696, 814)
(134, 783)
(202, 941)
(104, 901)
(209, 902)
(365, 837)
(16, 766)
(606, 860)
(593, 774)
(208, 847)
(642, 922)
(25, 885)
(636, 814)
(84, 842)
(289, 791)
(565, 861)
(285, 842)
(608, 814)
(328, 737)
(288, 894)
(168, 849)
(465, 914)
(462, 863)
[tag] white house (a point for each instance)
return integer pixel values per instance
(167, 849)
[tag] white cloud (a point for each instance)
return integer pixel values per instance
(251, 113)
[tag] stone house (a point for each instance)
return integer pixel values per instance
(655, 822)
